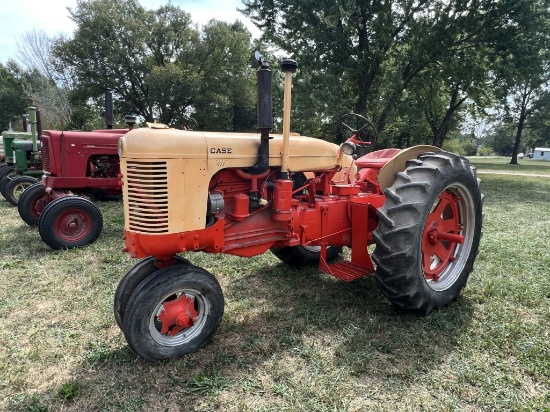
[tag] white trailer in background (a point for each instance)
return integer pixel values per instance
(540, 153)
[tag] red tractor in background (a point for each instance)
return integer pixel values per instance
(302, 198)
(75, 165)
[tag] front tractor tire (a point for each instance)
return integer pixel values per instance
(302, 256)
(428, 233)
(131, 280)
(16, 186)
(31, 203)
(70, 222)
(175, 311)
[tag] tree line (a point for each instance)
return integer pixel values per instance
(424, 71)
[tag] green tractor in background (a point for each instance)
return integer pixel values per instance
(6, 154)
(7, 162)
(23, 165)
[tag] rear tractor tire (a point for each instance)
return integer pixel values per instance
(175, 311)
(31, 203)
(428, 233)
(302, 256)
(16, 186)
(70, 222)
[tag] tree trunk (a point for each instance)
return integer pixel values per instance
(521, 124)
(441, 132)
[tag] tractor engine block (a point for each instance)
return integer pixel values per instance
(103, 166)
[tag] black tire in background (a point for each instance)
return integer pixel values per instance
(421, 264)
(7, 170)
(301, 256)
(70, 222)
(5, 179)
(16, 187)
(31, 203)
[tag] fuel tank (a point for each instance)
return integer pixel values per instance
(223, 150)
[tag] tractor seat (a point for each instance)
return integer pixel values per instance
(27, 145)
(376, 159)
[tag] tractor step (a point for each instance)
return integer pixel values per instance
(345, 270)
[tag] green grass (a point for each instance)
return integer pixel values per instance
(290, 340)
(502, 164)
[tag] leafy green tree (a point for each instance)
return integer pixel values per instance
(538, 132)
(500, 140)
(226, 96)
(363, 55)
(123, 46)
(523, 70)
(14, 97)
(450, 87)
(485, 151)
(159, 65)
(462, 145)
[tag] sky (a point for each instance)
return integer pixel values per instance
(51, 16)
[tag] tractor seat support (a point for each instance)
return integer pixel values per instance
(376, 159)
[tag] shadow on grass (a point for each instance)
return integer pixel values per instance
(275, 317)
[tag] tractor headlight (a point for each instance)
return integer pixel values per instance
(120, 146)
(349, 148)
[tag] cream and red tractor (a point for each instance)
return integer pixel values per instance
(300, 197)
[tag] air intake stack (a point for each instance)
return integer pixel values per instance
(109, 108)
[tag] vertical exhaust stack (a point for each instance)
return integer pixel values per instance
(289, 67)
(33, 121)
(36, 152)
(265, 113)
(109, 108)
(38, 123)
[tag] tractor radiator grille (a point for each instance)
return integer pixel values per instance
(45, 154)
(147, 184)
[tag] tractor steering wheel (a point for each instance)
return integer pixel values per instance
(358, 132)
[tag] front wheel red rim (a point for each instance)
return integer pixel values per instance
(73, 225)
(179, 317)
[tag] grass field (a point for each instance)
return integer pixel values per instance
(290, 340)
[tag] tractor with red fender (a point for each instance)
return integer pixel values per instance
(75, 165)
(300, 197)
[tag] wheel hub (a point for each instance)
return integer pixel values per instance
(73, 224)
(177, 315)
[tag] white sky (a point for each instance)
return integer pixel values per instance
(23, 16)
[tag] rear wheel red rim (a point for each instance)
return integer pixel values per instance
(447, 237)
(444, 219)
